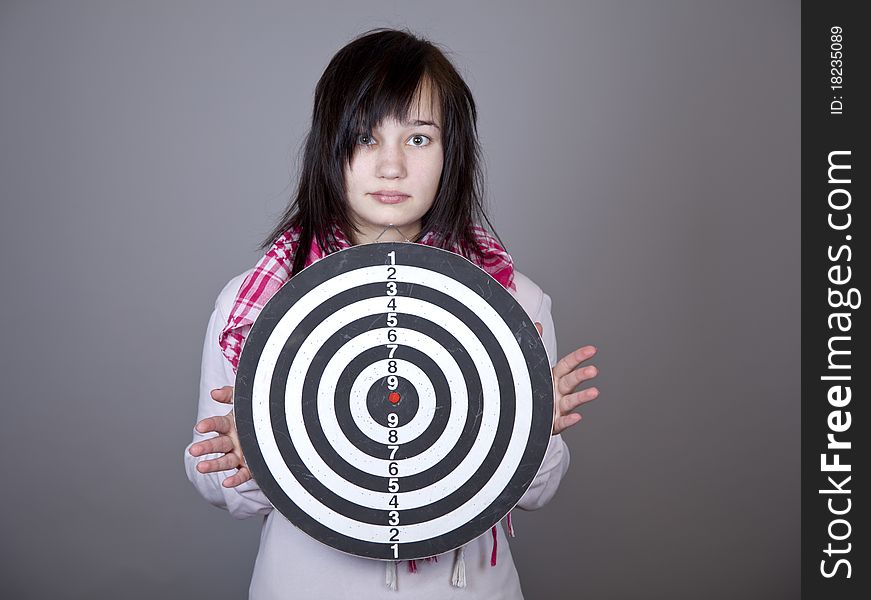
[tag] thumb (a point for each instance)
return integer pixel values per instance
(223, 395)
(539, 327)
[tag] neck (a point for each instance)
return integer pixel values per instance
(391, 233)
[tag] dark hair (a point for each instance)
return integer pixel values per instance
(375, 76)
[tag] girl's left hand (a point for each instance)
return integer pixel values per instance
(566, 377)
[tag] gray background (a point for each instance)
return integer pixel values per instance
(643, 162)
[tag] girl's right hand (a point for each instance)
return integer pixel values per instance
(227, 442)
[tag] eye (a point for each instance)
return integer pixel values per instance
(418, 140)
(364, 139)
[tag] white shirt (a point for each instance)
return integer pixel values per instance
(290, 564)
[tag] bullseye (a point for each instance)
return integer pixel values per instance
(469, 393)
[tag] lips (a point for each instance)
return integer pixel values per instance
(389, 196)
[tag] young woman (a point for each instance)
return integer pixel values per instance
(392, 155)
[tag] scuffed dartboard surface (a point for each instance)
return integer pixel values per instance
(394, 401)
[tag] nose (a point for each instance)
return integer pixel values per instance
(391, 162)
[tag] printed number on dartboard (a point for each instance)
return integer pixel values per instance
(392, 417)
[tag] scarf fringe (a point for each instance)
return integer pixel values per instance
(390, 575)
(458, 579)
(458, 576)
(493, 554)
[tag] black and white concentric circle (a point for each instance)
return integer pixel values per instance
(394, 401)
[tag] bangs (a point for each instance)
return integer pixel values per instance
(388, 80)
(402, 102)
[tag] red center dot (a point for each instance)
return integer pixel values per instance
(394, 397)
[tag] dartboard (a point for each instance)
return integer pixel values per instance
(394, 401)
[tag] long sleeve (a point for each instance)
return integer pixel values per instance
(556, 458)
(247, 499)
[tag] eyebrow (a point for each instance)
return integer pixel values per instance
(421, 124)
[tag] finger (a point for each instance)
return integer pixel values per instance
(238, 478)
(221, 443)
(568, 362)
(218, 424)
(222, 463)
(560, 424)
(572, 401)
(539, 327)
(573, 379)
(223, 395)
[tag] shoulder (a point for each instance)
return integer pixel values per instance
(227, 295)
(529, 295)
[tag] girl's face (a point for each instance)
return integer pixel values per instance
(394, 174)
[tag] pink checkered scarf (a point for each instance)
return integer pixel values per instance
(274, 269)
